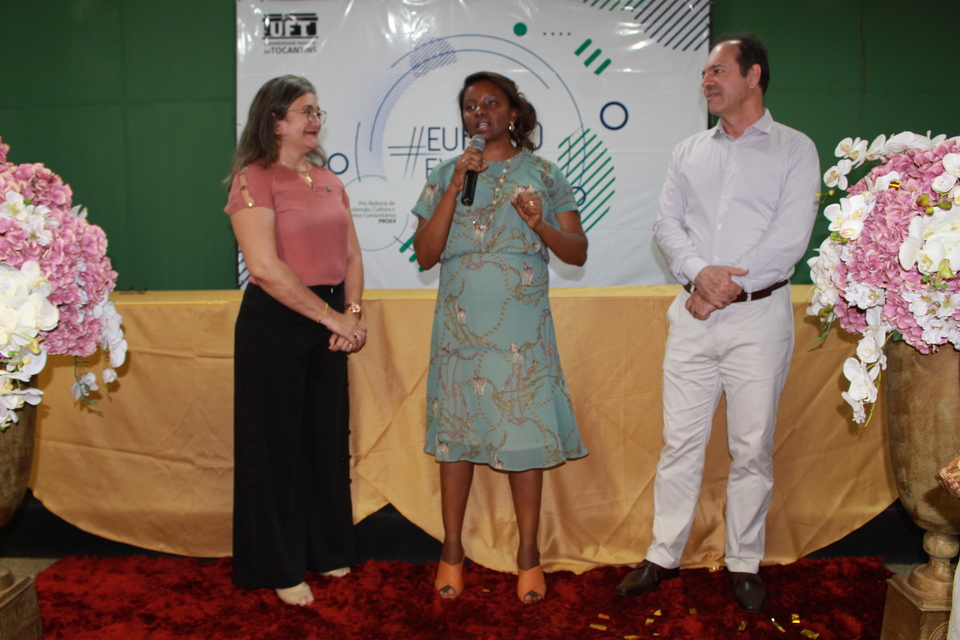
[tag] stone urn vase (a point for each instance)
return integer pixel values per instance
(923, 421)
(16, 457)
(19, 608)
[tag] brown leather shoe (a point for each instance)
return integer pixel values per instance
(748, 591)
(645, 577)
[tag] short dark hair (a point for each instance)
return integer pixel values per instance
(259, 139)
(750, 51)
(526, 122)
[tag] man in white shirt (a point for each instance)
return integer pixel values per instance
(736, 214)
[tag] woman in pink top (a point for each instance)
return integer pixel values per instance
(299, 319)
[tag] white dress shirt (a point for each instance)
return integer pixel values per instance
(747, 202)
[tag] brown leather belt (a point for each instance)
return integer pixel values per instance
(747, 297)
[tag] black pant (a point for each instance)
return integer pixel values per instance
(291, 510)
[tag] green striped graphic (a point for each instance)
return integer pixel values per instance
(586, 163)
(611, 5)
(593, 56)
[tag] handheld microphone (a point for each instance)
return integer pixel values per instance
(470, 180)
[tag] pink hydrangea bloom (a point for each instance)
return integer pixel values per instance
(873, 258)
(74, 262)
(874, 288)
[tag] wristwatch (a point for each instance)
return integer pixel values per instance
(354, 308)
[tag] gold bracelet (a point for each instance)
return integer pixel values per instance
(322, 315)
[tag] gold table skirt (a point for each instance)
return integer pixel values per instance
(152, 465)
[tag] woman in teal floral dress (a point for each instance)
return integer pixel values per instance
(496, 394)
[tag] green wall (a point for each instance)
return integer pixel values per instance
(132, 102)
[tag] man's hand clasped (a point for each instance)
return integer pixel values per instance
(713, 289)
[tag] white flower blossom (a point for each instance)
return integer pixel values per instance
(823, 272)
(907, 140)
(847, 217)
(930, 257)
(837, 176)
(949, 305)
(34, 220)
(874, 318)
(82, 387)
(109, 375)
(861, 379)
(868, 351)
(883, 182)
(944, 182)
(910, 249)
(24, 311)
(12, 398)
(937, 330)
(26, 365)
(898, 143)
(854, 149)
(954, 196)
(12, 205)
(876, 149)
(863, 296)
(930, 241)
(923, 304)
(863, 388)
(111, 334)
(951, 164)
(859, 412)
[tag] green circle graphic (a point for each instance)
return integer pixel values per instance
(520, 29)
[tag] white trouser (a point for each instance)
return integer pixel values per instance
(743, 351)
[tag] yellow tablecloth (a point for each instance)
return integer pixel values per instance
(152, 465)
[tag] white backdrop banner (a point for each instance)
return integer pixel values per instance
(615, 84)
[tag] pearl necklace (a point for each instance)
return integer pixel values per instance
(503, 174)
(496, 194)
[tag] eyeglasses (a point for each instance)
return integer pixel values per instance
(310, 112)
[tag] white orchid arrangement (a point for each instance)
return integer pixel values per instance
(55, 281)
(25, 311)
(890, 265)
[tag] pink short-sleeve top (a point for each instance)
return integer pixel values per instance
(311, 220)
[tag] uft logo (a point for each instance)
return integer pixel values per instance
(289, 26)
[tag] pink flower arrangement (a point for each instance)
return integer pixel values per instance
(890, 264)
(39, 225)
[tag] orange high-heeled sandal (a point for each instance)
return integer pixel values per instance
(531, 580)
(449, 575)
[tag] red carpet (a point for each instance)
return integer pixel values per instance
(183, 598)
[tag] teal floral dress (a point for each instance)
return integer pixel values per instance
(496, 394)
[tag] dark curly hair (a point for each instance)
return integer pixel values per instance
(259, 138)
(526, 122)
